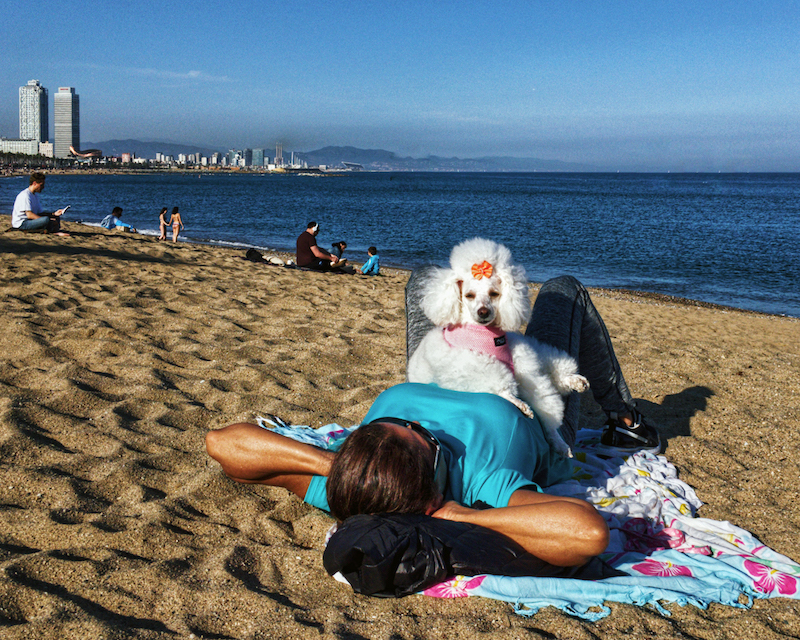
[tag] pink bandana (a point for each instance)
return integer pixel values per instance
(476, 337)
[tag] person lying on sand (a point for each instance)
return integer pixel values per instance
(428, 450)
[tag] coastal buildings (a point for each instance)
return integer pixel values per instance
(34, 127)
(258, 158)
(33, 110)
(67, 121)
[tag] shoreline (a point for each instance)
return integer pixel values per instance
(287, 253)
(748, 287)
(124, 351)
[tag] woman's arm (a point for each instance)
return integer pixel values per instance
(251, 454)
(562, 531)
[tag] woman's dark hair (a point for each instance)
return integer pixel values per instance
(341, 244)
(164, 210)
(174, 209)
(378, 470)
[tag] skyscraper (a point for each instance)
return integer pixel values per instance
(33, 107)
(67, 121)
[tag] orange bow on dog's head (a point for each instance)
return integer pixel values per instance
(481, 270)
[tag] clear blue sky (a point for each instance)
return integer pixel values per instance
(650, 85)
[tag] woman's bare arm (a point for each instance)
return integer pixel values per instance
(251, 454)
(562, 531)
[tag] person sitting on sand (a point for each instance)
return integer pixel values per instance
(312, 256)
(176, 223)
(372, 266)
(428, 450)
(112, 221)
(27, 214)
(337, 248)
(162, 224)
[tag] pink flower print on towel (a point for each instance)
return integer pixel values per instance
(767, 579)
(665, 569)
(456, 587)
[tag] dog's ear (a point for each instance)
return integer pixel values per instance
(514, 305)
(441, 301)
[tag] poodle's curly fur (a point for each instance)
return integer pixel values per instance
(496, 297)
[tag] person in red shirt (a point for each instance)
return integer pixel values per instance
(310, 255)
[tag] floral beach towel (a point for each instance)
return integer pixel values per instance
(669, 554)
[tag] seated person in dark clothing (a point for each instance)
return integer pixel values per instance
(312, 256)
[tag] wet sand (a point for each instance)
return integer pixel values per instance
(120, 352)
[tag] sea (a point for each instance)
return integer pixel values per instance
(729, 239)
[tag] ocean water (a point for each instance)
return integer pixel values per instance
(731, 239)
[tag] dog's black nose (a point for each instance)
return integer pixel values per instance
(483, 312)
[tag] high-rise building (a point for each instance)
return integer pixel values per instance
(67, 121)
(258, 158)
(33, 107)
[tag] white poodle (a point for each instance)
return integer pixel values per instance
(478, 306)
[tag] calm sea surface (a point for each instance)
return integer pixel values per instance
(729, 239)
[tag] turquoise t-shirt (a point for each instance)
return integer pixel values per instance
(491, 448)
(372, 266)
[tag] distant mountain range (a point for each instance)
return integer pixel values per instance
(370, 159)
(381, 160)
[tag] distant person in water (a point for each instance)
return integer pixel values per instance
(372, 266)
(337, 248)
(176, 223)
(112, 221)
(162, 224)
(27, 214)
(312, 256)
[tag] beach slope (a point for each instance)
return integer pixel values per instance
(119, 353)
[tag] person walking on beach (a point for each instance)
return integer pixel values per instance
(27, 214)
(176, 222)
(372, 266)
(312, 256)
(162, 224)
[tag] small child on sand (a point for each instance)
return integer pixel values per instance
(162, 224)
(371, 267)
(176, 222)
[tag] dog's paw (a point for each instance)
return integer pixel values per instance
(561, 447)
(522, 406)
(576, 382)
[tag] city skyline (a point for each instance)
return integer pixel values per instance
(622, 86)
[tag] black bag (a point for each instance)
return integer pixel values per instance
(254, 255)
(394, 555)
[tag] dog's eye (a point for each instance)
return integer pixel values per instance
(469, 296)
(494, 294)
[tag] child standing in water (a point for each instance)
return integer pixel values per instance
(176, 222)
(162, 224)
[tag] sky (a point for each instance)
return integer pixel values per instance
(671, 86)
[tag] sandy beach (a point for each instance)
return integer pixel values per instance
(120, 352)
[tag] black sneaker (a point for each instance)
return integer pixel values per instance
(621, 438)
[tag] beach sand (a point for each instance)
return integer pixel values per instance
(119, 353)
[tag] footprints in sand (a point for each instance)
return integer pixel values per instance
(110, 510)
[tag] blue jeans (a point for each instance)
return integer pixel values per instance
(565, 317)
(33, 225)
